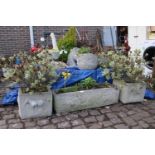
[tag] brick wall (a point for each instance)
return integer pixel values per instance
(39, 31)
(13, 39)
(16, 38)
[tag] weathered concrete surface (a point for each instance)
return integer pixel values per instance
(79, 100)
(87, 61)
(36, 105)
(55, 55)
(131, 92)
(72, 57)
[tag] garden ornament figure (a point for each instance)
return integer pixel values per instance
(54, 42)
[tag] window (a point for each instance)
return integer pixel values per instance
(151, 32)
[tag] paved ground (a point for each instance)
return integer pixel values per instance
(119, 116)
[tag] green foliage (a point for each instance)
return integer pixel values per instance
(35, 72)
(122, 67)
(69, 89)
(63, 55)
(7, 61)
(67, 43)
(87, 83)
(84, 50)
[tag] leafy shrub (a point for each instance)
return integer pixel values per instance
(87, 83)
(35, 72)
(67, 43)
(121, 67)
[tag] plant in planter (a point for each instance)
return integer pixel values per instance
(86, 59)
(83, 95)
(5, 63)
(127, 73)
(34, 75)
(67, 43)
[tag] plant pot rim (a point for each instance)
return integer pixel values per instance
(86, 54)
(34, 93)
(140, 82)
(81, 91)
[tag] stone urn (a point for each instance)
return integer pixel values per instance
(87, 61)
(55, 55)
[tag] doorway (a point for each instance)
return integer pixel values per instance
(122, 34)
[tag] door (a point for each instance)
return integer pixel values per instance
(109, 36)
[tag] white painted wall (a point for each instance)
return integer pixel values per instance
(137, 35)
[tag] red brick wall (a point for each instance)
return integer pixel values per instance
(39, 31)
(13, 39)
(16, 38)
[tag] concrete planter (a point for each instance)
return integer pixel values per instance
(36, 105)
(131, 92)
(79, 100)
(55, 55)
(87, 61)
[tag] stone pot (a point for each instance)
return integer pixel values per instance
(36, 105)
(73, 101)
(130, 92)
(55, 55)
(87, 61)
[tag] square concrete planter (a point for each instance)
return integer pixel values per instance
(73, 101)
(131, 92)
(36, 105)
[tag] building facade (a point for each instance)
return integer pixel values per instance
(17, 38)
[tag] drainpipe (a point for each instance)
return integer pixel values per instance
(31, 36)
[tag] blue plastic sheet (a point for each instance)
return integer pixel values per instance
(11, 96)
(77, 75)
(149, 94)
(18, 61)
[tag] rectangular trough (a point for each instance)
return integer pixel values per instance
(36, 105)
(131, 92)
(73, 101)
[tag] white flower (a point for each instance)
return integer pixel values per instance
(42, 39)
(61, 52)
(65, 52)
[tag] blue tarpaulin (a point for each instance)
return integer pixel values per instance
(11, 96)
(77, 75)
(149, 94)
